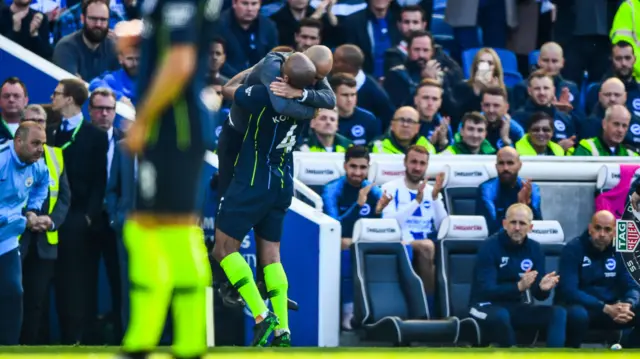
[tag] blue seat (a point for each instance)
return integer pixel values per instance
(507, 58)
(591, 97)
(533, 58)
(512, 78)
(439, 6)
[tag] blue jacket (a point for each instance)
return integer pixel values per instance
(494, 200)
(341, 203)
(119, 82)
(499, 264)
(591, 278)
(23, 188)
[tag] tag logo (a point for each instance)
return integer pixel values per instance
(586, 261)
(28, 182)
(365, 210)
(627, 236)
(526, 264)
(610, 264)
(504, 261)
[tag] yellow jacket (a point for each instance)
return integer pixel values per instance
(626, 27)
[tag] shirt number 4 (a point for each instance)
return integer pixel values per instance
(289, 140)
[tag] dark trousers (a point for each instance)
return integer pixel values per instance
(11, 294)
(579, 320)
(586, 53)
(37, 276)
(499, 324)
(103, 244)
(72, 277)
(492, 19)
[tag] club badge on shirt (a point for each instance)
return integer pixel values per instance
(28, 182)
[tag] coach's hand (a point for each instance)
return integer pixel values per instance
(136, 138)
(283, 89)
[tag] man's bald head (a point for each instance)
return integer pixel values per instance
(299, 71)
(602, 229)
(551, 58)
(612, 92)
(508, 165)
(348, 58)
(322, 58)
(551, 47)
(29, 141)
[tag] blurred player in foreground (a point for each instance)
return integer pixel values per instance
(258, 197)
(167, 255)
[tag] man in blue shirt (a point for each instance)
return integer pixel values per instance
(24, 185)
(596, 286)
(497, 194)
(347, 199)
(510, 269)
(258, 197)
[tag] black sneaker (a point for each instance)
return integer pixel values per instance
(230, 296)
(136, 355)
(282, 341)
(262, 330)
(291, 304)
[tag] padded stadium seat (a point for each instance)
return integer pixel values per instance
(507, 58)
(533, 58)
(591, 97)
(609, 176)
(512, 78)
(317, 172)
(383, 171)
(459, 237)
(461, 187)
(389, 300)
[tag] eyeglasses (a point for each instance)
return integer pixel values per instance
(103, 108)
(406, 121)
(58, 93)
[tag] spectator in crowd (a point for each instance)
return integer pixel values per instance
(122, 81)
(412, 18)
(464, 96)
(509, 267)
(502, 130)
(419, 209)
(355, 123)
(495, 195)
(324, 136)
(373, 31)
(21, 198)
(297, 21)
(102, 110)
(537, 141)
(582, 29)
(612, 92)
(217, 60)
(71, 21)
(88, 52)
(551, 60)
(401, 81)
(472, 137)
(433, 125)
(27, 27)
(404, 132)
(39, 244)
(614, 128)
(248, 35)
(625, 29)
(85, 158)
(541, 98)
(371, 97)
(596, 287)
(13, 100)
(348, 199)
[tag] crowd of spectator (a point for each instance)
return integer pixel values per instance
(410, 77)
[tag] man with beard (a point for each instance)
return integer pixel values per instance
(495, 195)
(27, 27)
(21, 198)
(88, 53)
(596, 288)
(419, 210)
(122, 81)
(614, 128)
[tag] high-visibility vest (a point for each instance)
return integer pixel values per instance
(524, 147)
(55, 164)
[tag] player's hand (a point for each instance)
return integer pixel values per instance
(34, 26)
(420, 194)
(43, 224)
(362, 195)
(383, 202)
(635, 201)
(549, 281)
(136, 138)
(505, 128)
(283, 89)
(612, 310)
(527, 280)
(524, 196)
(437, 187)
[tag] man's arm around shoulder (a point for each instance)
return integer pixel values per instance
(289, 107)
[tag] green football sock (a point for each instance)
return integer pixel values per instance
(241, 276)
(277, 286)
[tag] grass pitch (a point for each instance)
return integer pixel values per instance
(47, 352)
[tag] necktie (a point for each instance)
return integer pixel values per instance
(65, 125)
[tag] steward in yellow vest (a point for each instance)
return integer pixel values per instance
(55, 206)
(312, 144)
(389, 144)
(525, 148)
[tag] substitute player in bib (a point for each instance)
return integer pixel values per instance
(258, 197)
(167, 255)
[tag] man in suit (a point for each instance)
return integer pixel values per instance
(38, 244)
(102, 111)
(85, 157)
(120, 198)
